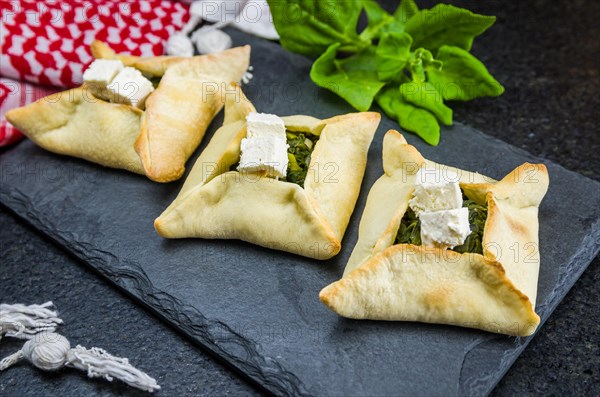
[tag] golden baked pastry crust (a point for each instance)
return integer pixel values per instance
(190, 94)
(495, 291)
(217, 203)
(76, 123)
(156, 142)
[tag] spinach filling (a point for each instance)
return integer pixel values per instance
(409, 231)
(477, 216)
(154, 79)
(299, 152)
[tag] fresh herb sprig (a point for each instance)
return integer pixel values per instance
(409, 62)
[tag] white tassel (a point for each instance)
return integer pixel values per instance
(10, 360)
(250, 16)
(99, 363)
(23, 322)
(50, 351)
(179, 45)
(209, 39)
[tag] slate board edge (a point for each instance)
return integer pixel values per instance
(264, 372)
(271, 377)
(589, 249)
(590, 246)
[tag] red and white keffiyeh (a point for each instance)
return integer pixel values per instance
(12, 95)
(47, 42)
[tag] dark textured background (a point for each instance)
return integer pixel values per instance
(546, 55)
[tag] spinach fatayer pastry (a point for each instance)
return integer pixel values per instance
(398, 272)
(305, 212)
(155, 136)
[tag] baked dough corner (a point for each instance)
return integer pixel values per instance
(311, 220)
(495, 291)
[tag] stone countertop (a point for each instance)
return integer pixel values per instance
(544, 53)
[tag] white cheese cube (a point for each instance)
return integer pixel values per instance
(445, 229)
(436, 190)
(102, 71)
(130, 87)
(266, 154)
(265, 146)
(263, 124)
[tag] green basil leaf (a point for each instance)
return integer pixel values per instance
(462, 76)
(410, 117)
(391, 55)
(424, 95)
(445, 24)
(309, 27)
(405, 11)
(377, 19)
(381, 22)
(419, 60)
(353, 78)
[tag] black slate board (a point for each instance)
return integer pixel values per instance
(258, 309)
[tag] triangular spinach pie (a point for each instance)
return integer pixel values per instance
(286, 183)
(438, 244)
(145, 115)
